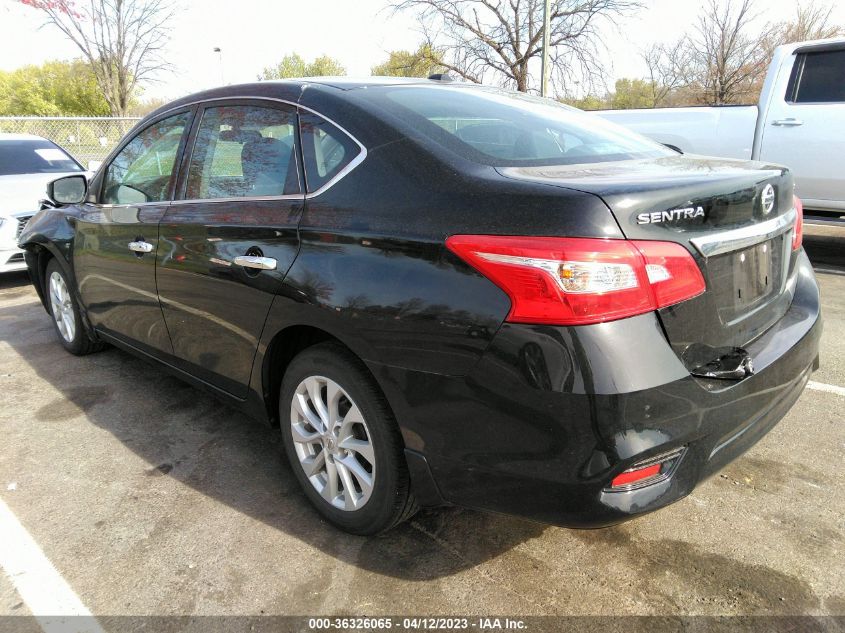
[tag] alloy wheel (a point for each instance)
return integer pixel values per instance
(62, 307)
(333, 443)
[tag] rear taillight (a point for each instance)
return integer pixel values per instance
(798, 233)
(672, 272)
(577, 281)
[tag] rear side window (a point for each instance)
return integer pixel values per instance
(326, 150)
(143, 169)
(243, 151)
(818, 78)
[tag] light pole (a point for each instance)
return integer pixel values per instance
(544, 86)
(219, 52)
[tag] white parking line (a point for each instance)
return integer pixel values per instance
(820, 386)
(50, 599)
(829, 271)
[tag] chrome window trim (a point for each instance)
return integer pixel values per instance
(287, 196)
(338, 177)
(158, 203)
(343, 172)
(132, 134)
(727, 241)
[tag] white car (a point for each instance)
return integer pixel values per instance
(27, 164)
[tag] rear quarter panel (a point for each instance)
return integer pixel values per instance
(373, 268)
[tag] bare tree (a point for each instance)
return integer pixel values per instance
(670, 67)
(727, 59)
(122, 40)
(812, 22)
(480, 38)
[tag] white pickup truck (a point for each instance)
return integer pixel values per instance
(799, 122)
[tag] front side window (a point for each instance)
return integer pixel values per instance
(326, 150)
(243, 151)
(817, 78)
(497, 127)
(143, 169)
(34, 156)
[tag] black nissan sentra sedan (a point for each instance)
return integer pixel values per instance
(443, 293)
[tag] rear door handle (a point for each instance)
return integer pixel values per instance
(141, 247)
(790, 122)
(251, 261)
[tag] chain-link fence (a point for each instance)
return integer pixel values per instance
(88, 139)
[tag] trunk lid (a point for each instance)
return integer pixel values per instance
(719, 210)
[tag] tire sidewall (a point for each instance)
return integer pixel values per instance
(378, 512)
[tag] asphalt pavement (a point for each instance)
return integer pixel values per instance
(148, 497)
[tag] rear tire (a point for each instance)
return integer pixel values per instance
(337, 426)
(73, 333)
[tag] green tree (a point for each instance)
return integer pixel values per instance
(632, 93)
(52, 89)
(423, 62)
(325, 66)
(291, 66)
(588, 102)
(294, 66)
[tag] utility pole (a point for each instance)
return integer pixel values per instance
(544, 86)
(220, 63)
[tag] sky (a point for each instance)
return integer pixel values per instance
(253, 34)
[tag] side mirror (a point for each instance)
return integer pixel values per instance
(68, 190)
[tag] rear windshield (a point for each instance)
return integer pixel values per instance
(496, 127)
(34, 157)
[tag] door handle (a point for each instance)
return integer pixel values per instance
(790, 122)
(251, 261)
(141, 247)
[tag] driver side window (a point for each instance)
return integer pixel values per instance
(143, 169)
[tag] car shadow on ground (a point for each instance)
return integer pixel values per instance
(825, 246)
(182, 432)
(15, 284)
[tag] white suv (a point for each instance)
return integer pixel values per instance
(27, 164)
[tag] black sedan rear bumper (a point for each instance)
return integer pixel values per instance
(551, 415)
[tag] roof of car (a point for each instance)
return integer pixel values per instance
(350, 83)
(7, 136)
(292, 88)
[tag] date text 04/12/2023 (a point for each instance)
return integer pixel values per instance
(417, 623)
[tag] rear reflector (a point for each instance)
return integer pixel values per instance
(577, 281)
(632, 476)
(648, 471)
(798, 233)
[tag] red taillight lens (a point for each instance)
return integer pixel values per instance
(672, 272)
(577, 281)
(798, 233)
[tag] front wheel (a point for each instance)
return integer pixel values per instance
(343, 443)
(73, 333)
